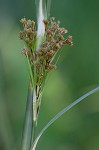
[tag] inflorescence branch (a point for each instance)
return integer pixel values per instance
(41, 60)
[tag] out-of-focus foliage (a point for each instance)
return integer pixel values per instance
(77, 72)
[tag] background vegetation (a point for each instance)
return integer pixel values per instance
(78, 72)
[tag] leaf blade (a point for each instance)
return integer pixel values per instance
(61, 113)
(43, 11)
(28, 123)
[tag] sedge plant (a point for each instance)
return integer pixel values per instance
(43, 41)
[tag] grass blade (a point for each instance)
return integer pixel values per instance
(27, 133)
(61, 113)
(43, 9)
(46, 4)
(46, 8)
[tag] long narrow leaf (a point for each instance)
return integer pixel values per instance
(61, 113)
(46, 8)
(43, 9)
(27, 133)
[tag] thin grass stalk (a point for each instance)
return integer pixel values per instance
(28, 123)
(63, 111)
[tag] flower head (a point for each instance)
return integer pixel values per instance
(41, 60)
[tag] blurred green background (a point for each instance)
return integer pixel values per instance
(78, 72)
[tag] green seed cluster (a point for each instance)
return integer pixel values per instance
(41, 60)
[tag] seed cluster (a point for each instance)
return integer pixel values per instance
(41, 60)
(29, 33)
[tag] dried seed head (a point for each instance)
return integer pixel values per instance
(60, 44)
(28, 31)
(33, 23)
(62, 30)
(23, 21)
(27, 40)
(57, 46)
(29, 23)
(60, 37)
(43, 50)
(21, 36)
(52, 19)
(48, 31)
(42, 58)
(69, 40)
(51, 66)
(45, 22)
(45, 44)
(70, 37)
(53, 43)
(24, 50)
(49, 53)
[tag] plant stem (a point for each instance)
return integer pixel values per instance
(28, 123)
(34, 131)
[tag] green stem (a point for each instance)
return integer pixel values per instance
(34, 131)
(30, 70)
(28, 123)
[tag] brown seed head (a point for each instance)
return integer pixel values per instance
(24, 50)
(52, 19)
(23, 21)
(60, 37)
(49, 53)
(69, 40)
(51, 66)
(45, 44)
(43, 50)
(62, 30)
(45, 22)
(21, 36)
(28, 31)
